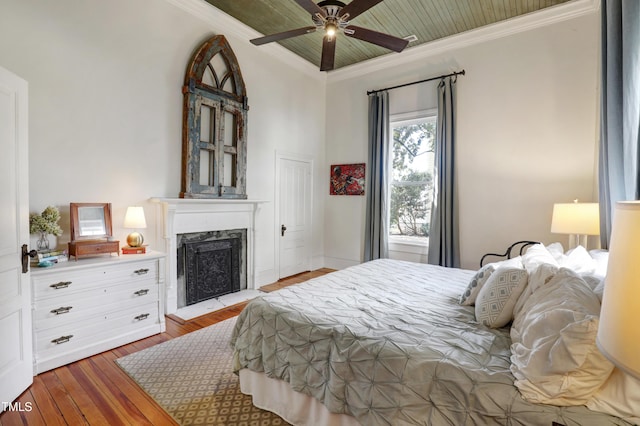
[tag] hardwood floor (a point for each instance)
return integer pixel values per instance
(95, 391)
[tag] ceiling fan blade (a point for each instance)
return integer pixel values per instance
(328, 53)
(381, 39)
(311, 7)
(356, 7)
(281, 36)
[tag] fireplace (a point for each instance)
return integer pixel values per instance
(204, 220)
(210, 264)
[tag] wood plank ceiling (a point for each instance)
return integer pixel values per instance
(428, 20)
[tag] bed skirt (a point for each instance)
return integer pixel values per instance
(296, 408)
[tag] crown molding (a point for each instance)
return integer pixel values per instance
(224, 23)
(541, 18)
(221, 22)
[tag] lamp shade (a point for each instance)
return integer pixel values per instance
(619, 330)
(576, 218)
(134, 218)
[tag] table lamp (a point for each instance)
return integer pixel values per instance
(134, 219)
(619, 331)
(576, 219)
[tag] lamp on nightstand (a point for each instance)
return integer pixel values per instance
(576, 219)
(619, 330)
(134, 219)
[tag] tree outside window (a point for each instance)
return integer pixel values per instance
(412, 178)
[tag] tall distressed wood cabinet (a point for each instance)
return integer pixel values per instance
(90, 306)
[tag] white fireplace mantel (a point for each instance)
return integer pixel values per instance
(186, 215)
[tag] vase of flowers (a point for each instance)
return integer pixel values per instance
(45, 223)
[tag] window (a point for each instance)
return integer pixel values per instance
(411, 185)
(214, 124)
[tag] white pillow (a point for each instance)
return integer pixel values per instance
(601, 258)
(498, 296)
(619, 396)
(537, 279)
(557, 251)
(535, 256)
(515, 262)
(468, 297)
(542, 275)
(554, 357)
(579, 260)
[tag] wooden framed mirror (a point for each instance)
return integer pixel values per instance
(91, 230)
(90, 221)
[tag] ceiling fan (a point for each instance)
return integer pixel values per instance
(333, 16)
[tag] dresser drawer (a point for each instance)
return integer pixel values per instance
(90, 306)
(73, 336)
(64, 283)
(56, 311)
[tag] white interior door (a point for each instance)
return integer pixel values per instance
(294, 227)
(16, 361)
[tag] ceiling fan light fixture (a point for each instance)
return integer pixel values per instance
(331, 29)
(332, 17)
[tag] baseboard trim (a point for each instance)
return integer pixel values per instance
(338, 263)
(267, 276)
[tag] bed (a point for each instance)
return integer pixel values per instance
(388, 343)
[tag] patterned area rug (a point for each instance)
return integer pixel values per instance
(191, 377)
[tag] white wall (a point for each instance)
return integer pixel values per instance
(106, 108)
(527, 129)
(105, 116)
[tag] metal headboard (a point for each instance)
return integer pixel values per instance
(507, 254)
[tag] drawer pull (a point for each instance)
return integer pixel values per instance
(142, 317)
(61, 310)
(141, 292)
(62, 339)
(61, 284)
(141, 271)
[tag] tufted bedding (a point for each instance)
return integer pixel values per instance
(388, 343)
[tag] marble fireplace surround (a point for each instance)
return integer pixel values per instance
(186, 215)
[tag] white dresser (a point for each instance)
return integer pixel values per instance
(84, 307)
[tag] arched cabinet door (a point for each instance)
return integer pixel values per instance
(214, 136)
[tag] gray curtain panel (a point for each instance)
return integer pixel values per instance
(376, 225)
(620, 109)
(444, 246)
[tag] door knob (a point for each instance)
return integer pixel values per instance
(26, 254)
(282, 229)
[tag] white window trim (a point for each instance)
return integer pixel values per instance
(407, 118)
(396, 244)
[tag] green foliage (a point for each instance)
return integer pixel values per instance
(408, 143)
(411, 204)
(46, 222)
(411, 196)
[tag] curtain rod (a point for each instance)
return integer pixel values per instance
(416, 82)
